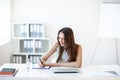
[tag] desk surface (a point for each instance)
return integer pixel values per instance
(90, 72)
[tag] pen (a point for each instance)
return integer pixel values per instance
(41, 61)
(47, 67)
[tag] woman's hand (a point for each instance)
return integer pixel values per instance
(41, 63)
(50, 64)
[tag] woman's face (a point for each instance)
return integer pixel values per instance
(61, 39)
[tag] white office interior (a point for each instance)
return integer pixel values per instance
(83, 16)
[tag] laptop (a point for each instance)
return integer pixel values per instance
(65, 70)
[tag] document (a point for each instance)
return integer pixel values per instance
(118, 73)
(105, 74)
(36, 66)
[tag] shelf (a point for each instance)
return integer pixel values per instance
(28, 39)
(18, 53)
(28, 30)
(20, 30)
(22, 58)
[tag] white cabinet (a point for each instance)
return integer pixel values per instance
(29, 41)
(28, 30)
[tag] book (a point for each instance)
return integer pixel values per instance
(8, 72)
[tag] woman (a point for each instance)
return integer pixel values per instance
(69, 53)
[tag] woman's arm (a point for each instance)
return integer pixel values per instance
(76, 63)
(50, 52)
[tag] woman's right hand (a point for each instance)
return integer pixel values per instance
(41, 63)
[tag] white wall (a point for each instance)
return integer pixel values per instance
(5, 34)
(5, 21)
(81, 15)
(5, 53)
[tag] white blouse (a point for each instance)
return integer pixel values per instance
(64, 56)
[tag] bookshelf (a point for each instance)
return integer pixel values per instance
(29, 41)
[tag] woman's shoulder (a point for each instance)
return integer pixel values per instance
(79, 48)
(79, 45)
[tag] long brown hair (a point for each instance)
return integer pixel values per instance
(70, 45)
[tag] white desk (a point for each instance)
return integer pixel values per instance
(39, 74)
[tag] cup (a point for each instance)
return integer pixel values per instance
(29, 64)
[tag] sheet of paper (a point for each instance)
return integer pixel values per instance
(104, 74)
(36, 66)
